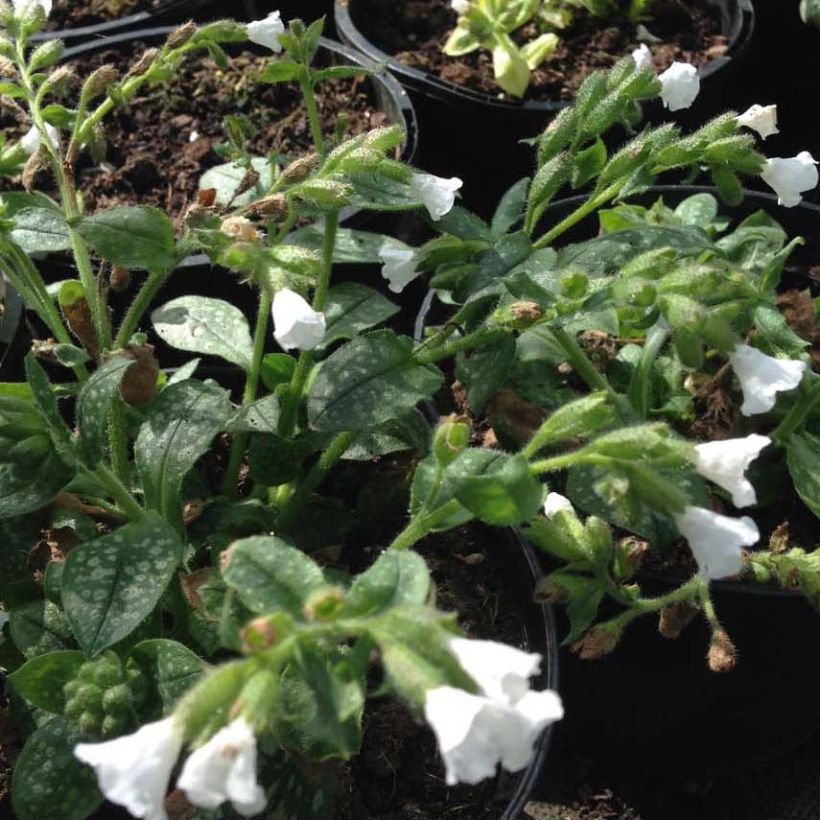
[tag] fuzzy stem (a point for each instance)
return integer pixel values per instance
(797, 415)
(137, 309)
(120, 493)
(590, 206)
(422, 525)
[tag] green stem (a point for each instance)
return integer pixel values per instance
(312, 112)
(119, 492)
(478, 338)
(555, 463)
(240, 440)
(422, 525)
(136, 311)
(641, 381)
(590, 206)
(328, 247)
(797, 415)
(118, 442)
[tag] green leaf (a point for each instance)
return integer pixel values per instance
(505, 255)
(49, 782)
(18, 535)
(588, 163)
(352, 308)
(510, 209)
(226, 180)
(803, 459)
(421, 491)
(132, 237)
(179, 428)
(810, 12)
(41, 230)
(260, 416)
(411, 432)
(269, 574)
(280, 71)
(111, 584)
(576, 419)
(40, 680)
(33, 479)
(94, 406)
(582, 607)
(486, 371)
(377, 193)
(277, 368)
(351, 246)
(39, 627)
(367, 382)
(700, 210)
(46, 401)
(171, 668)
(200, 324)
(395, 579)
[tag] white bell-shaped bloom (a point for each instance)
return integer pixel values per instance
(399, 264)
(266, 32)
(30, 141)
(725, 463)
(436, 193)
(643, 57)
(134, 770)
(20, 6)
(460, 6)
(295, 323)
(501, 723)
(680, 84)
(760, 118)
(225, 769)
(789, 177)
(555, 502)
(716, 540)
(762, 377)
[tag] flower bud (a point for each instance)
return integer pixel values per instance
(261, 633)
(98, 82)
(451, 438)
(722, 654)
(674, 618)
(180, 35)
(139, 384)
(77, 313)
(629, 554)
(324, 604)
(598, 641)
(549, 591)
(119, 279)
(144, 63)
(301, 168)
(34, 164)
(46, 54)
(275, 206)
(59, 80)
(517, 316)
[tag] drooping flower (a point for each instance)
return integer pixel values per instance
(680, 84)
(20, 6)
(760, 118)
(266, 32)
(501, 723)
(762, 377)
(789, 177)
(295, 323)
(399, 263)
(460, 6)
(436, 193)
(556, 502)
(30, 141)
(133, 770)
(716, 540)
(643, 57)
(225, 769)
(725, 463)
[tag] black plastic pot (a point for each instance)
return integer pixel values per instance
(477, 137)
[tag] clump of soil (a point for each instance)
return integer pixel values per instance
(399, 774)
(414, 31)
(92, 12)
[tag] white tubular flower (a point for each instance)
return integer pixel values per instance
(643, 57)
(460, 6)
(399, 263)
(436, 193)
(789, 177)
(680, 85)
(32, 138)
(762, 377)
(716, 540)
(725, 463)
(225, 769)
(295, 323)
(266, 32)
(557, 503)
(20, 6)
(476, 732)
(134, 770)
(760, 118)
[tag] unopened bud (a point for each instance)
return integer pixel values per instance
(99, 80)
(144, 63)
(260, 633)
(248, 181)
(77, 313)
(240, 228)
(7, 68)
(548, 591)
(599, 641)
(275, 206)
(46, 54)
(519, 315)
(629, 554)
(300, 168)
(120, 279)
(324, 605)
(98, 145)
(139, 385)
(674, 618)
(722, 654)
(180, 35)
(35, 163)
(450, 439)
(59, 80)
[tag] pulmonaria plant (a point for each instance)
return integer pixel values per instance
(193, 630)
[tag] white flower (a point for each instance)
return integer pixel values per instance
(436, 193)
(31, 139)
(266, 32)
(133, 770)
(556, 503)
(295, 323)
(399, 264)
(680, 85)
(761, 377)
(4, 619)
(760, 118)
(500, 724)
(726, 462)
(20, 6)
(716, 540)
(461, 6)
(225, 769)
(643, 57)
(789, 177)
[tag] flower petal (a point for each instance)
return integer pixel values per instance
(295, 323)
(680, 85)
(266, 32)
(760, 118)
(762, 377)
(725, 463)
(555, 502)
(789, 177)
(399, 263)
(436, 193)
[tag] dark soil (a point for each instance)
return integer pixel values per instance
(415, 30)
(399, 774)
(91, 12)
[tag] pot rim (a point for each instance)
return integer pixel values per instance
(739, 38)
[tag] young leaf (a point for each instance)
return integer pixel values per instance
(395, 579)
(352, 308)
(510, 209)
(171, 668)
(40, 230)
(40, 680)
(111, 584)
(803, 458)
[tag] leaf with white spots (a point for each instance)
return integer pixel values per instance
(200, 324)
(171, 668)
(111, 584)
(179, 429)
(39, 627)
(46, 401)
(49, 782)
(41, 679)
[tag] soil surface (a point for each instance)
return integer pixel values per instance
(91, 12)
(414, 31)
